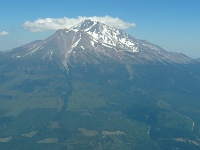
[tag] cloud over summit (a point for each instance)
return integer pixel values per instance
(41, 25)
(4, 33)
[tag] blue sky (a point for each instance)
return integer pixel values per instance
(172, 24)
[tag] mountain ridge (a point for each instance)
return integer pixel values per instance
(102, 40)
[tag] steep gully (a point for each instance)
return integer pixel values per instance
(65, 98)
(68, 93)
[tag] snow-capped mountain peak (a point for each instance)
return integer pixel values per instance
(85, 25)
(106, 35)
(95, 42)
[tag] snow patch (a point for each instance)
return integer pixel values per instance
(193, 126)
(92, 43)
(76, 43)
(51, 55)
(75, 30)
(17, 56)
(107, 45)
(32, 51)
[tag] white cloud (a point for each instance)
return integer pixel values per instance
(41, 25)
(4, 33)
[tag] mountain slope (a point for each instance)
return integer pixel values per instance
(96, 87)
(95, 38)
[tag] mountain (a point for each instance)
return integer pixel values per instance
(102, 40)
(96, 87)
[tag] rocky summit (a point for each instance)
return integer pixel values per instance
(96, 87)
